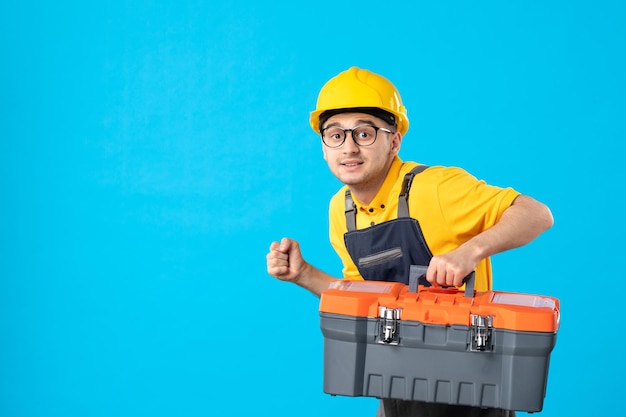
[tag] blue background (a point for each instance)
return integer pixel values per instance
(151, 151)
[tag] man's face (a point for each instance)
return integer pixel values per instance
(363, 168)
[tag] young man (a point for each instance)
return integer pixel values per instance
(392, 214)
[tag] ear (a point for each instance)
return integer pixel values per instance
(324, 151)
(396, 141)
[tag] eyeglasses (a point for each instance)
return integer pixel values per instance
(364, 135)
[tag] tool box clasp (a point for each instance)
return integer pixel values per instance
(481, 333)
(388, 329)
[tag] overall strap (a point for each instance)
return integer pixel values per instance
(403, 206)
(350, 212)
(403, 198)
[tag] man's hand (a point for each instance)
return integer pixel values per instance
(451, 268)
(284, 260)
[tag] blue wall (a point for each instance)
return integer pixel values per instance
(151, 151)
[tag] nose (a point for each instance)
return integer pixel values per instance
(349, 145)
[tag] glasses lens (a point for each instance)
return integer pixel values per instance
(333, 137)
(364, 135)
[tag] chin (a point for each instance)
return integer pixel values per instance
(350, 179)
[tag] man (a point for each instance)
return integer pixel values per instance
(392, 214)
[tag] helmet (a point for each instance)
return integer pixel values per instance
(357, 88)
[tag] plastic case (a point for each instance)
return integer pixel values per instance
(489, 350)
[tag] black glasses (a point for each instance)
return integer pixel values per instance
(364, 135)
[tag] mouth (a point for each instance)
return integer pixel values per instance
(351, 164)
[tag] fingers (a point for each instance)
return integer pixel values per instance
(275, 247)
(286, 245)
(279, 262)
(442, 273)
(283, 246)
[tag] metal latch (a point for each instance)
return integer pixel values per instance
(481, 333)
(388, 329)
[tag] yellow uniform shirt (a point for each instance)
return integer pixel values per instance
(450, 205)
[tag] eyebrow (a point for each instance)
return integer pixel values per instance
(359, 122)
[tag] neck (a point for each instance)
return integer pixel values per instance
(366, 191)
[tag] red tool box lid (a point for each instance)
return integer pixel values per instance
(442, 306)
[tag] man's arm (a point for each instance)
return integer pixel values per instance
(285, 262)
(521, 223)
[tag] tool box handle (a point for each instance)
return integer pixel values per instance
(419, 271)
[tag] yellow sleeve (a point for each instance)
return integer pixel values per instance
(452, 206)
(470, 206)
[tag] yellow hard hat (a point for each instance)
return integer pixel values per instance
(360, 89)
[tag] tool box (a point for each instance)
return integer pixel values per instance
(443, 345)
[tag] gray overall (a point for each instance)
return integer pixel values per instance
(386, 252)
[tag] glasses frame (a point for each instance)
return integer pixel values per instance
(345, 134)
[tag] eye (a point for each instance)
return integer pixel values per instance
(363, 134)
(333, 134)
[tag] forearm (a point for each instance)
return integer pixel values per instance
(314, 279)
(521, 223)
(285, 262)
